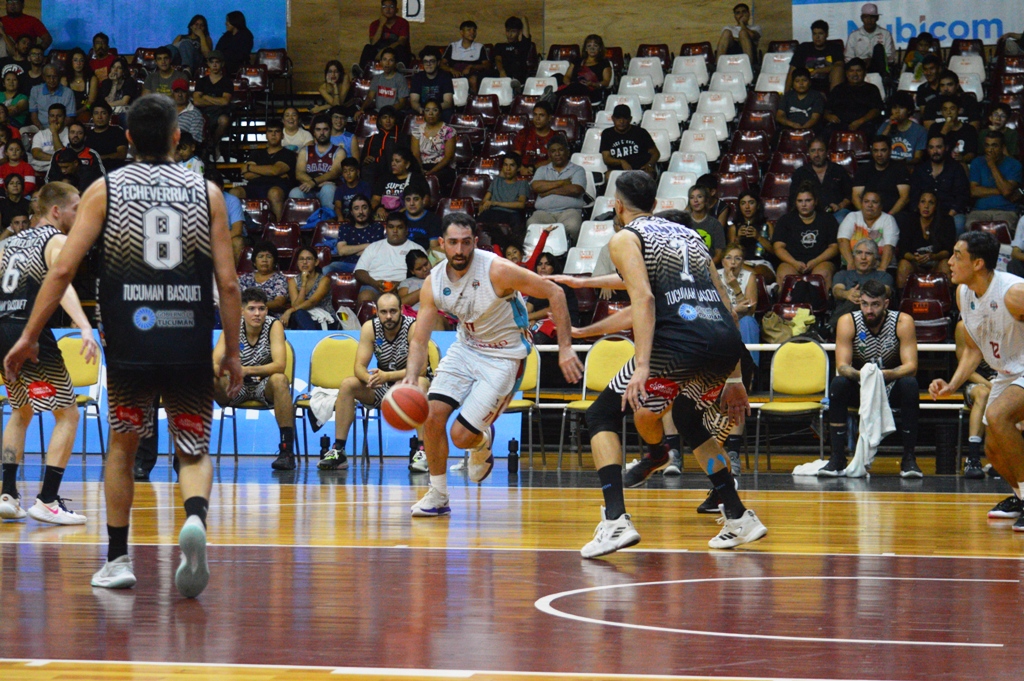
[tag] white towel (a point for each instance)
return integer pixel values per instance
(321, 403)
(810, 468)
(876, 420)
(322, 317)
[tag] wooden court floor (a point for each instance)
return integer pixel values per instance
(330, 578)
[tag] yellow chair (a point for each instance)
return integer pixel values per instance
(332, 361)
(531, 404)
(604, 360)
(799, 370)
(289, 372)
(83, 375)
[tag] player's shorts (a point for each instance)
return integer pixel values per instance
(45, 384)
(252, 392)
(187, 395)
(999, 384)
(482, 385)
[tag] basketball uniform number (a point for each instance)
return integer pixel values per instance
(995, 349)
(12, 275)
(162, 238)
(684, 253)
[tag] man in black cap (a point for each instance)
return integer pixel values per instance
(625, 146)
(70, 169)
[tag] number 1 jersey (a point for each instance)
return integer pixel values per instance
(156, 267)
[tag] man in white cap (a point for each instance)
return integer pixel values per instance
(872, 43)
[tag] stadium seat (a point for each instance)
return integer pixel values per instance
(703, 50)
(324, 230)
(258, 210)
(485, 166)
(409, 124)
(523, 105)
(449, 205)
(908, 82)
(580, 107)
(930, 323)
(647, 66)
(846, 160)
(609, 189)
(662, 120)
(695, 65)
(664, 203)
(286, 237)
(756, 142)
(510, 124)
(463, 151)
(595, 234)
(603, 119)
(366, 126)
(776, 63)
(736, 63)
(485, 106)
(1010, 64)
(367, 311)
(686, 84)
(630, 100)
(757, 120)
(592, 142)
(675, 185)
(731, 83)
(961, 46)
(557, 243)
(853, 141)
(817, 282)
(581, 260)
(689, 162)
(498, 144)
(640, 86)
(592, 163)
(774, 208)
(997, 228)
(602, 205)
(731, 186)
(787, 46)
(146, 57)
(499, 87)
(776, 185)
(659, 51)
(461, 95)
(548, 68)
(568, 126)
(876, 80)
(971, 82)
(299, 210)
(471, 187)
(742, 164)
(716, 102)
(672, 102)
(794, 141)
(534, 86)
(771, 82)
(471, 126)
(244, 264)
(617, 58)
(564, 52)
(702, 141)
(663, 142)
(963, 64)
(360, 88)
(715, 122)
(344, 290)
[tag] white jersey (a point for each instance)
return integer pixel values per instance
(488, 323)
(994, 330)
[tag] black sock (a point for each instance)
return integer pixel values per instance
(51, 483)
(733, 442)
(197, 506)
(118, 545)
(837, 434)
(726, 488)
(611, 487)
(339, 445)
(10, 479)
(287, 436)
(673, 441)
(658, 451)
(974, 449)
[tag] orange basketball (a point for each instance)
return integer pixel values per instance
(404, 407)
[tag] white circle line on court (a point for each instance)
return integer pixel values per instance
(545, 605)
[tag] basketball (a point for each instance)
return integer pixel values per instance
(405, 407)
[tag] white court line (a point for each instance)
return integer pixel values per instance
(544, 605)
(403, 671)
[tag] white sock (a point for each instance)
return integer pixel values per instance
(1017, 491)
(485, 443)
(440, 483)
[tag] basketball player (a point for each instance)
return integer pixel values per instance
(385, 337)
(484, 366)
(992, 307)
(42, 386)
(163, 237)
(687, 358)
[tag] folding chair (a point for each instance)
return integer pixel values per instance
(83, 375)
(289, 372)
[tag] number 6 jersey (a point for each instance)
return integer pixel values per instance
(156, 267)
(23, 268)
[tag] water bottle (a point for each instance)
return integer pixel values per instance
(513, 457)
(325, 444)
(414, 446)
(759, 250)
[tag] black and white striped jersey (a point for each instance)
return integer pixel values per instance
(156, 268)
(258, 353)
(22, 270)
(391, 355)
(882, 348)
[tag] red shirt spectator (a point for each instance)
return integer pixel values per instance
(17, 24)
(532, 147)
(21, 168)
(391, 35)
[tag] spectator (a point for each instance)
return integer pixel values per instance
(741, 287)
(318, 166)
(76, 143)
(417, 268)
(832, 184)
(16, 165)
(805, 239)
(162, 78)
(976, 393)
(264, 352)
(185, 155)
(880, 175)
(433, 145)
(505, 200)
(715, 206)
(12, 132)
(853, 104)
(559, 186)
(101, 58)
(388, 31)
(741, 38)
(927, 236)
(531, 143)
(213, 99)
(822, 59)
(376, 155)
(17, 58)
(295, 136)
(886, 338)
(119, 90)
(14, 100)
(931, 68)
(236, 43)
(625, 146)
(381, 267)
(924, 45)
(514, 251)
(591, 76)
(870, 222)
(512, 58)
(14, 202)
(310, 295)
(109, 141)
(236, 213)
(1016, 264)
(335, 89)
(538, 309)
(49, 140)
(946, 180)
(907, 137)
(192, 47)
(466, 58)
(995, 178)
(423, 225)
(871, 43)
(801, 107)
(353, 237)
(754, 235)
(386, 89)
(69, 169)
(703, 221)
(266, 277)
(16, 24)
(961, 139)
(387, 191)
(348, 189)
(50, 92)
(340, 136)
(33, 75)
(270, 172)
(432, 84)
(847, 284)
(84, 86)
(189, 118)
(998, 117)
(968, 109)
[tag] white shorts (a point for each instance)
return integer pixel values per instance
(482, 385)
(999, 384)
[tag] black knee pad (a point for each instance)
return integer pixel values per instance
(605, 414)
(690, 422)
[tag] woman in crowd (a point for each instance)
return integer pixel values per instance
(704, 222)
(537, 308)
(310, 294)
(192, 47)
(17, 165)
(751, 231)
(335, 88)
(236, 43)
(433, 144)
(295, 136)
(15, 100)
(505, 202)
(267, 277)
(387, 192)
(927, 237)
(591, 76)
(119, 89)
(805, 238)
(84, 86)
(741, 286)
(418, 267)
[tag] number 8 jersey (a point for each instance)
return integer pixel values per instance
(156, 267)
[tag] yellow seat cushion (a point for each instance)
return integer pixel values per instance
(251, 404)
(790, 407)
(302, 403)
(579, 405)
(519, 405)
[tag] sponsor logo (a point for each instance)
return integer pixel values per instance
(447, 291)
(144, 319)
(130, 415)
(476, 283)
(688, 312)
(904, 31)
(190, 423)
(993, 304)
(660, 387)
(41, 390)
(712, 395)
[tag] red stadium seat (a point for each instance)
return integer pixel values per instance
(1010, 64)
(510, 123)
(930, 287)
(366, 126)
(757, 120)
(616, 57)
(360, 89)
(470, 125)
(569, 53)
(278, 64)
(783, 162)
(286, 237)
(764, 299)
(463, 151)
(586, 301)
(146, 57)
(660, 51)
(776, 186)
(324, 230)
(366, 312)
(788, 311)
(258, 210)
(256, 76)
(523, 105)
(763, 101)
(794, 141)
(606, 308)
(450, 205)
(344, 290)
(471, 187)
(997, 228)
(409, 124)
(731, 186)
(930, 323)
(485, 166)
(853, 141)
(756, 142)
(846, 159)
(1008, 84)
(568, 126)
(704, 48)
(743, 164)
(485, 106)
(497, 145)
(783, 45)
(580, 107)
(434, 185)
(774, 208)
(299, 210)
(323, 256)
(244, 264)
(817, 282)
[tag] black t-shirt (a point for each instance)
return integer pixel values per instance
(236, 48)
(10, 209)
(262, 157)
(962, 141)
(431, 88)
(809, 57)
(27, 82)
(969, 110)
(107, 142)
(925, 94)
(884, 182)
(806, 242)
(423, 229)
(853, 103)
(942, 234)
(514, 57)
(834, 188)
(800, 110)
(632, 146)
(219, 89)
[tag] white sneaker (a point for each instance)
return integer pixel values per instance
(432, 504)
(419, 462)
(56, 513)
(117, 574)
(460, 467)
(743, 530)
(675, 463)
(193, 573)
(10, 507)
(481, 460)
(610, 536)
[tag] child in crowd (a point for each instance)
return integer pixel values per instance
(186, 156)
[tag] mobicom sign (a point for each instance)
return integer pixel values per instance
(903, 31)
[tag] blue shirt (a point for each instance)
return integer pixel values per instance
(236, 213)
(40, 98)
(1009, 168)
(347, 194)
(355, 237)
(906, 143)
(344, 140)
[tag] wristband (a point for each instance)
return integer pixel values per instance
(737, 379)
